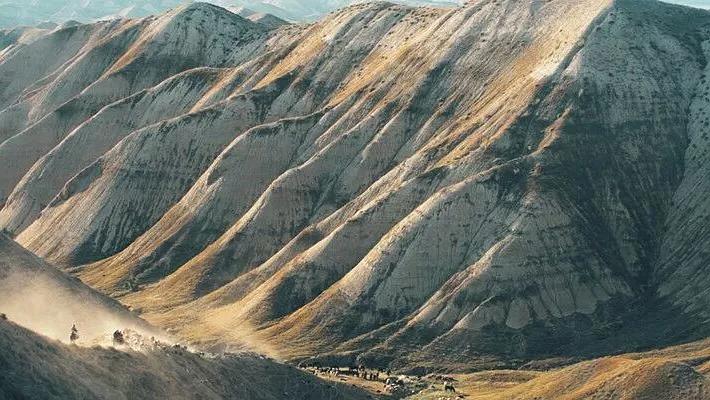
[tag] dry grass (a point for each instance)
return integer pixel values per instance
(660, 374)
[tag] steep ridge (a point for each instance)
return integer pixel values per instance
(359, 173)
(506, 180)
(629, 211)
(122, 58)
(271, 98)
(320, 152)
(99, 134)
(409, 263)
(296, 289)
(184, 92)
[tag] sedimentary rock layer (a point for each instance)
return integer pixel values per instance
(511, 178)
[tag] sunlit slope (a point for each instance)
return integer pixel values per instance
(513, 179)
(677, 372)
(55, 83)
(610, 378)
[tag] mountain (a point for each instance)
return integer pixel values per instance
(268, 20)
(35, 367)
(311, 10)
(14, 13)
(37, 296)
(415, 187)
(114, 65)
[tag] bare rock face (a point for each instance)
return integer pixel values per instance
(510, 179)
(685, 248)
(88, 141)
(103, 63)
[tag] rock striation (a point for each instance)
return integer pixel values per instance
(507, 179)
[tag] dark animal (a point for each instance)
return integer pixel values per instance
(118, 338)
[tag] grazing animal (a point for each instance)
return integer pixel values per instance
(449, 387)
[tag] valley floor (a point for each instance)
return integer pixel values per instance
(675, 373)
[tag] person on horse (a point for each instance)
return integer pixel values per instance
(74, 335)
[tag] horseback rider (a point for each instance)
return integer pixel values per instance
(74, 335)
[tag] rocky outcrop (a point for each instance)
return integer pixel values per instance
(510, 179)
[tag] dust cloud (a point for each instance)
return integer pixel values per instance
(41, 303)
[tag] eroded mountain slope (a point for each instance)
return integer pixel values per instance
(101, 63)
(512, 179)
